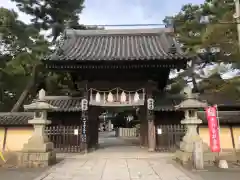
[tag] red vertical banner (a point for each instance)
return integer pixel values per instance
(211, 114)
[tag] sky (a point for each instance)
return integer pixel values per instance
(100, 12)
(121, 11)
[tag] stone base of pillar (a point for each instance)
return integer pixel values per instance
(38, 147)
(187, 144)
(93, 148)
(185, 154)
(186, 157)
(151, 150)
(38, 152)
(36, 159)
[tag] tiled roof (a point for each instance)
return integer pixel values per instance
(65, 103)
(72, 104)
(16, 118)
(165, 102)
(220, 99)
(224, 116)
(131, 44)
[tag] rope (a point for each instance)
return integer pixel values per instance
(117, 88)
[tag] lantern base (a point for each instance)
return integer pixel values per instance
(187, 145)
(36, 159)
(186, 152)
(186, 158)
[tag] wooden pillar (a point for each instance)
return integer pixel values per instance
(93, 114)
(143, 127)
(150, 120)
(95, 126)
(141, 135)
(90, 127)
(151, 132)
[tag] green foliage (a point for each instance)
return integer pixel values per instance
(47, 12)
(21, 49)
(221, 31)
(52, 14)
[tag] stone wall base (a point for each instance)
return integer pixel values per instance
(35, 159)
(186, 157)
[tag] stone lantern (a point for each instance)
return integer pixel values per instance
(38, 151)
(190, 106)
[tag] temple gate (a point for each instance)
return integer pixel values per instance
(117, 68)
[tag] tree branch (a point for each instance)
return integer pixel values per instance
(28, 88)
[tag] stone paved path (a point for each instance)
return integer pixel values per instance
(117, 163)
(116, 169)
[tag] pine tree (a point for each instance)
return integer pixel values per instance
(52, 14)
(21, 50)
(218, 31)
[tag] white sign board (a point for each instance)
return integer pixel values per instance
(75, 131)
(150, 104)
(159, 131)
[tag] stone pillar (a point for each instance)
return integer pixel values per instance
(38, 151)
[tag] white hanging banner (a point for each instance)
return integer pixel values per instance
(75, 131)
(159, 131)
(123, 97)
(98, 97)
(110, 97)
(136, 97)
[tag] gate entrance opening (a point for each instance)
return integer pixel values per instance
(119, 128)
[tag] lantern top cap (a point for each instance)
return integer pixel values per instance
(191, 101)
(40, 104)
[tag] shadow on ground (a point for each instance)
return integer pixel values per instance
(10, 171)
(212, 172)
